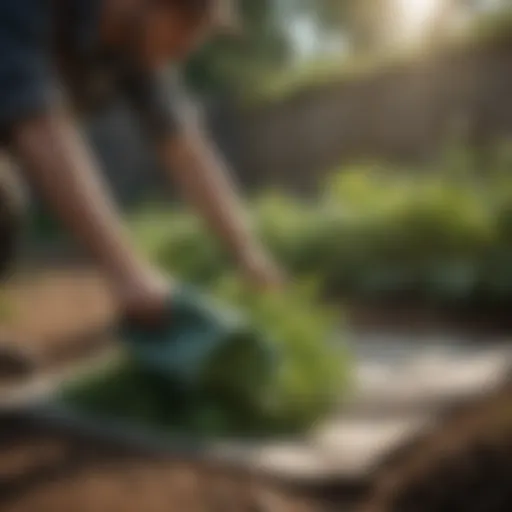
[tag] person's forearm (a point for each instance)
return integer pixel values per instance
(64, 172)
(202, 177)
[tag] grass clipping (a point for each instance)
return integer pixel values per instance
(309, 381)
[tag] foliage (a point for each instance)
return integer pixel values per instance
(487, 30)
(255, 64)
(444, 235)
(320, 73)
(180, 243)
(308, 382)
(494, 26)
(314, 370)
(231, 64)
(361, 21)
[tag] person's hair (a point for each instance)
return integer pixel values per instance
(221, 13)
(194, 8)
(193, 5)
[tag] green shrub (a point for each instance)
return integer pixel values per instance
(442, 235)
(312, 376)
(315, 369)
(180, 243)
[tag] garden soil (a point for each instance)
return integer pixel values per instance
(52, 318)
(465, 465)
(47, 471)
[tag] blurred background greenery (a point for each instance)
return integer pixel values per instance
(292, 42)
(376, 232)
(428, 218)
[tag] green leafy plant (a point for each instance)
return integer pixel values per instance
(312, 375)
(440, 234)
(315, 362)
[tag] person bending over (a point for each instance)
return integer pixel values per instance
(62, 57)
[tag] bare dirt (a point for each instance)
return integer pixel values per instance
(43, 470)
(53, 317)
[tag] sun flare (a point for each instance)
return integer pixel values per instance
(413, 17)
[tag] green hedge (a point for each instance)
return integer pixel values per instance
(442, 236)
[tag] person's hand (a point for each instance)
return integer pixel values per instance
(144, 297)
(260, 270)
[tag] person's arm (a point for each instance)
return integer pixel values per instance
(35, 126)
(65, 173)
(194, 164)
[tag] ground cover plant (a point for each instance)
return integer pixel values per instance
(312, 375)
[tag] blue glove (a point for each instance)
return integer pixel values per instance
(202, 343)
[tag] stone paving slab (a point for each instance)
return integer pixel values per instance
(402, 391)
(402, 376)
(349, 450)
